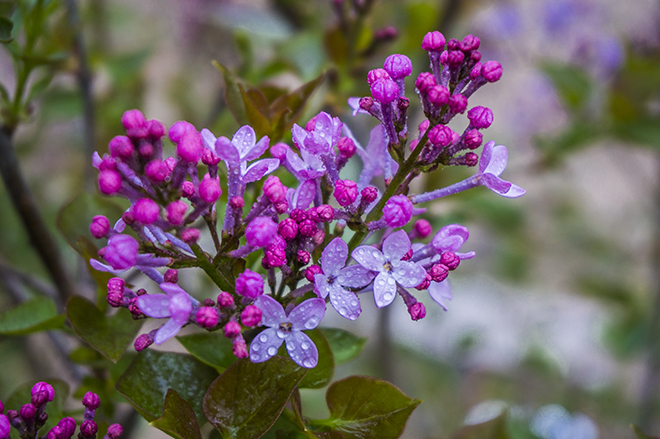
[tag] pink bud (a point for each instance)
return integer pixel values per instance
(458, 103)
(469, 43)
(209, 158)
(398, 66)
(236, 203)
(311, 271)
(288, 229)
(146, 211)
(142, 342)
(441, 136)
(206, 317)
(249, 284)
(274, 190)
(298, 215)
(172, 276)
(251, 316)
(239, 348)
(225, 300)
(156, 131)
(425, 81)
(189, 235)
(28, 411)
(492, 71)
(122, 147)
(157, 171)
(88, 429)
(135, 123)
(44, 388)
(307, 228)
(346, 147)
(176, 211)
(209, 189)
(450, 260)
(99, 227)
(473, 139)
(346, 192)
(187, 189)
(326, 213)
(422, 228)
(179, 130)
(376, 74)
(385, 91)
(91, 400)
(480, 117)
(438, 95)
(190, 146)
(303, 257)
(397, 211)
(114, 431)
(439, 272)
(232, 329)
(109, 182)
(369, 194)
(417, 311)
(433, 42)
(279, 150)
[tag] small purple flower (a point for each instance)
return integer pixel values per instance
(325, 134)
(251, 316)
(114, 431)
(288, 329)
(336, 277)
(492, 164)
(42, 391)
(209, 189)
(433, 41)
(175, 305)
(397, 211)
(389, 266)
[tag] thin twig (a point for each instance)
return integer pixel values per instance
(7, 271)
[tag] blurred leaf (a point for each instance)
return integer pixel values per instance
(571, 82)
(7, 8)
(39, 86)
(125, 67)
(178, 418)
(336, 45)
(233, 95)
(321, 375)
(345, 345)
(607, 289)
(256, 119)
(641, 435)
(576, 136)
(38, 314)
(23, 395)
(246, 400)
(291, 105)
(643, 131)
(363, 407)
(86, 356)
(212, 348)
(6, 26)
(493, 429)
(108, 335)
(146, 382)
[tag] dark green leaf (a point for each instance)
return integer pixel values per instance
(108, 335)
(571, 82)
(23, 395)
(38, 314)
(233, 96)
(178, 418)
(246, 400)
(640, 434)
(336, 45)
(321, 375)
(6, 26)
(152, 373)
(493, 429)
(363, 407)
(345, 345)
(212, 348)
(256, 119)
(7, 8)
(291, 105)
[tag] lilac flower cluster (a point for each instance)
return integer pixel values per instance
(31, 417)
(297, 232)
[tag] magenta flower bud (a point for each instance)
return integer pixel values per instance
(366, 103)
(171, 276)
(28, 411)
(480, 117)
(108, 163)
(307, 228)
(441, 136)
(189, 235)
(450, 260)
(135, 123)
(122, 147)
(458, 103)
(225, 300)
(433, 42)
(376, 74)
(475, 56)
(207, 317)
(251, 316)
(208, 158)
(116, 284)
(156, 129)
(142, 342)
(260, 231)
(438, 95)
(397, 211)
(319, 237)
(281, 207)
(385, 91)
(239, 348)
(424, 82)
(190, 146)
(180, 129)
(68, 426)
(312, 214)
(209, 302)
(311, 271)
(45, 388)
(398, 66)
(469, 43)
(346, 147)
(109, 182)
(476, 71)
(326, 213)
(274, 256)
(455, 58)
(89, 429)
(387, 33)
(146, 211)
(2, 407)
(288, 229)
(115, 299)
(209, 189)
(346, 192)
(422, 228)
(453, 44)
(236, 203)
(121, 251)
(473, 139)
(369, 194)
(114, 431)
(274, 190)
(91, 400)
(187, 189)
(298, 215)
(134, 308)
(417, 311)
(170, 162)
(443, 57)
(249, 284)
(5, 427)
(176, 210)
(303, 257)
(492, 71)
(232, 329)
(99, 227)
(146, 150)
(311, 124)
(157, 171)
(439, 272)
(279, 150)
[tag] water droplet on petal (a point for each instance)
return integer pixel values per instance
(309, 363)
(281, 334)
(387, 297)
(263, 338)
(354, 303)
(256, 347)
(255, 357)
(272, 351)
(342, 310)
(305, 345)
(391, 281)
(311, 323)
(375, 253)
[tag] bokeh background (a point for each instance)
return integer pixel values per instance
(557, 318)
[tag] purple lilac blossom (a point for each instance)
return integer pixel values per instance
(375, 158)
(282, 328)
(175, 305)
(389, 266)
(336, 278)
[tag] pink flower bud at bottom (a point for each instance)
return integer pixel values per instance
(274, 190)
(99, 227)
(91, 400)
(236, 203)
(146, 211)
(397, 211)
(143, 342)
(187, 189)
(157, 171)
(5, 427)
(288, 229)
(346, 147)
(439, 272)
(232, 329)
(450, 260)
(225, 300)
(249, 284)
(176, 210)
(345, 192)
(109, 182)
(88, 429)
(369, 194)
(209, 189)
(239, 348)
(207, 317)
(114, 431)
(417, 311)
(68, 426)
(298, 215)
(45, 388)
(422, 228)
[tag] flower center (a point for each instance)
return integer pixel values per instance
(286, 327)
(331, 279)
(388, 267)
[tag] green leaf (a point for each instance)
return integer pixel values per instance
(23, 395)
(363, 407)
(493, 429)
(233, 96)
(108, 335)
(212, 348)
(345, 345)
(6, 26)
(38, 314)
(178, 418)
(571, 82)
(246, 400)
(321, 375)
(640, 434)
(256, 119)
(291, 105)
(147, 380)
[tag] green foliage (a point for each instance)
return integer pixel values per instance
(571, 82)
(345, 345)
(34, 315)
(211, 348)
(108, 335)
(147, 380)
(246, 400)
(321, 375)
(640, 434)
(178, 418)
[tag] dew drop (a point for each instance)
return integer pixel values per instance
(309, 363)
(342, 311)
(311, 323)
(387, 297)
(263, 338)
(291, 346)
(256, 347)
(272, 351)
(281, 334)
(391, 281)
(375, 253)
(354, 303)
(305, 345)
(255, 357)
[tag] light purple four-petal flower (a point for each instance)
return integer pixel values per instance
(336, 277)
(175, 305)
(389, 266)
(287, 329)
(492, 163)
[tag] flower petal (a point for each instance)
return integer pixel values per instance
(498, 160)
(272, 312)
(384, 289)
(514, 191)
(180, 307)
(244, 140)
(265, 345)
(324, 127)
(145, 260)
(408, 274)
(496, 184)
(321, 285)
(156, 306)
(369, 257)
(450, 238)
(486, 156)
(396, 245)
(259, 169)
(298, 134)
(355, 276)
(308, 314)
(167, 331)
(209, 139)
(316, 144)
(227, 152)
(334, 257)
(171, 289)
(302, 349)
(304, 194)
(345, 302)
(441, 292)
(100, 266)
(257, 150)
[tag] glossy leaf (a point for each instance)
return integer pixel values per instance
(178, 418)
(233, 96)
(345, 345)
(363, 407)
(212, 348)
(147, 380)
(256, 119)
(321, 375)
(23, 395)
(640, 434)
(38, 314)
(246, 400)
(492, 429)
(108, 335)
